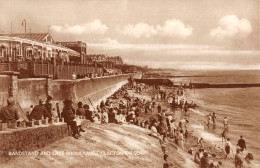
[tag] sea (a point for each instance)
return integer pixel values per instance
(240, 105)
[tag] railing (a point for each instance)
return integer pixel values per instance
(59, 71)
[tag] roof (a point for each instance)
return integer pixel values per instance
(32, 36)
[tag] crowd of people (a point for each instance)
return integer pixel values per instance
(121, 108)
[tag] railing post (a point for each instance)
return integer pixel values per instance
(68, 72)
(48, 68)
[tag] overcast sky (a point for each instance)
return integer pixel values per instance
(190, 34)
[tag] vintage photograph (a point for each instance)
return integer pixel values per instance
(129, 83)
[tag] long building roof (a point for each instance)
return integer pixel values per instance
(32, 36)
(35, 38)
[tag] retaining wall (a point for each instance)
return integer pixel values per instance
(28, 91)
(15, 142)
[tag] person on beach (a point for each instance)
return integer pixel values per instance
(228, 147)
(198, 155)
(248, 161)
(88, 113)
(238, 159)
(209, 119)
(104, 116)
(9, 113)
(200, 142)
(204, 161)
(69, 117)
(159, 107)
(223, 136)
(154, 132)
(241, 143)
(213, 162)
(80, 111)
(225, 122)
(181, 137)
(48, 106)
(214, 118)
(39, 111)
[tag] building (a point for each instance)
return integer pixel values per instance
(33, 46)
(78, 46)
(37, 54)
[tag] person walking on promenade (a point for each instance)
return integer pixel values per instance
(241, 143)
(9, 113)
(225, 122)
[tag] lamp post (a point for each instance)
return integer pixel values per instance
(24, 23)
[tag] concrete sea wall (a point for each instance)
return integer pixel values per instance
(28, 91)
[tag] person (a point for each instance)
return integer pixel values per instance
(241, 143)
(80, 111)
(74, 76)
(165, 164)
(209, 118)
(225, 122)
(248, 161)
(198, 155)
(204, 161)
(48, 106)
(159, 108)
(223, 136)
(228, 147)
(199, 142)
(214, 163)
(181, 139)
(39, 112)
(111, 116)
(9, 113)
(88, 113)
(104, 116)
(154, 132)
(214, 118)
(238, 159)
(68, 114)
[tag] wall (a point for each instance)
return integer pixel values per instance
(32, 138)
(30, 90)
(4, 89)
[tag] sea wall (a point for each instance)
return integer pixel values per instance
(4, 88)
(28, 91)
(21, 141)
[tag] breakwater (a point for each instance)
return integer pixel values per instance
(234, 85)
(155, 81)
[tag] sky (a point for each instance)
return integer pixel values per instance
(179, 34)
